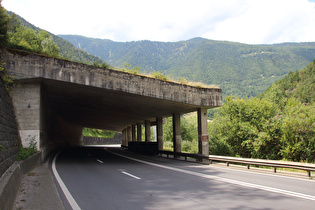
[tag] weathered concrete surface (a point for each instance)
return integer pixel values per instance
(103, 98)
(25, 66)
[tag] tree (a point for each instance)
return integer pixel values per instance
(298, 127)
(244, 128)
(3, 26)
(27, 38)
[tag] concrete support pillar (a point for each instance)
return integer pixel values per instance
(27, 105)
(177, 139)
(159, 132)
(139, 132)
(123, 137)
(128, 134)
(147, 131)
(203, 138)
(133, 133)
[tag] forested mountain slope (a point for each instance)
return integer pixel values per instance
(67, 49)
(239, 69)
(299, 85)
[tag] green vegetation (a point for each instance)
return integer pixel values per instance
(159, 75)
(25, 152)
(189, 133)
(19, 36)
(90, 132)
(127, 68)
(280, 124)
(66, 49)
(3, 27)
(6, 78)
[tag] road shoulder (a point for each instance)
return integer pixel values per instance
(38, 191)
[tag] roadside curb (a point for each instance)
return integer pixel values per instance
(11, 180)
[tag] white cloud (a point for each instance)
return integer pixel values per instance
(246, 21)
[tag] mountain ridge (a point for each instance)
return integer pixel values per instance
(239, 69)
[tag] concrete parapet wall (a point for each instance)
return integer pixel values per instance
(26, 65)
(102, 141)
(149, 148)
(11, 180)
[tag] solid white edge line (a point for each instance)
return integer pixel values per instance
(133, 176)
(63, 187)
(231, 181)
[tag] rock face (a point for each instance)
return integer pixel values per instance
(9, 137)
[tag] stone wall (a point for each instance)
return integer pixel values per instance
(9, 137)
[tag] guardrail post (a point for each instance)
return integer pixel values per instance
(227, 164)
(248, 166)
(309, 173)
(274, 169)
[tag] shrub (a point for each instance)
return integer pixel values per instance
(24, 153)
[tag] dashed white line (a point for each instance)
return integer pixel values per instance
(128, 174)
(231, 181)
(99, 161)
(63, 187)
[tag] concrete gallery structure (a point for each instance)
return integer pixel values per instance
(56, 98)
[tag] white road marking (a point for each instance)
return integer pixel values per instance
(128, 174)
(63, 187)
(99, 161)
(231, 181)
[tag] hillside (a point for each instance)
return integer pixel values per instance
(299, 85)
(67, 49)
(239, 69)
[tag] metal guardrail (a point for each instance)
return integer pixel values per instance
(198, 157)
(259, 162)
(246, 161)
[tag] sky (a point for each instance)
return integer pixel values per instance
(245, 21)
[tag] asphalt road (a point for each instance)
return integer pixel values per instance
(97, 178)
